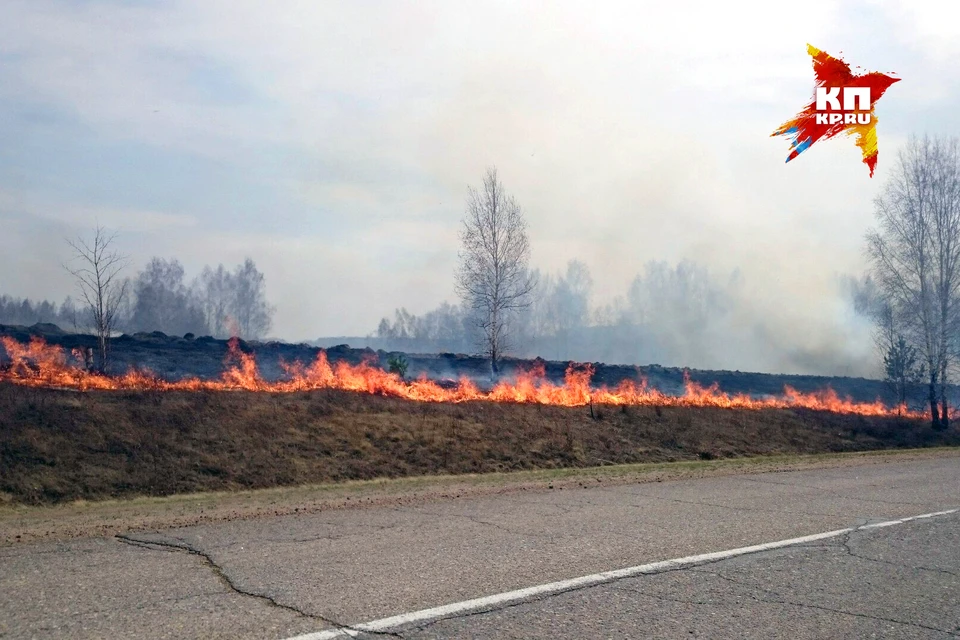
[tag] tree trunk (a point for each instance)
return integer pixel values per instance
(102, 340)
(934, 408)
(944, 414)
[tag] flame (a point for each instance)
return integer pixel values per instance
(38, 364)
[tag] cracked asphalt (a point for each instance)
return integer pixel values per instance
(283, 576)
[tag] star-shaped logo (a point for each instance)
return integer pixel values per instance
(825, 116)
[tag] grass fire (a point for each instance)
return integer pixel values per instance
(157, 384)
(37, 364)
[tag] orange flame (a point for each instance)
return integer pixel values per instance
(38, 364)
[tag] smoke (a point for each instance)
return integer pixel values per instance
(677, 315)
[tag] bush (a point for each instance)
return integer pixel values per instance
(398, 364)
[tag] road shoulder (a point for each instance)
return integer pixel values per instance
(22, 524)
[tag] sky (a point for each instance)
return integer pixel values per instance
(334, 142)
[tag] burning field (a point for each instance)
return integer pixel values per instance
(67, 433)
(38, 364)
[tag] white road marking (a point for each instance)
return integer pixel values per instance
(509, 597)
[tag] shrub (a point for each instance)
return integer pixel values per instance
(398, 364)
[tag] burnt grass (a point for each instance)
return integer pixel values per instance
(58, 446)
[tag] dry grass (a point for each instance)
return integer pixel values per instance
(21, 524)
(60, 446)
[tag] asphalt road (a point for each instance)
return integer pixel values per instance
(282, 577)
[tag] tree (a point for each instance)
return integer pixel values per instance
(441, 329)
(253, 314)
(915, 257)
(492, 278)
(559, 308)
(213, 289)
(69, 315)
(163, 302)
(444, 325)
(570, 300)
(234, 303)
(385, 329)
(680, 309)
(901, 368)
(97, 270)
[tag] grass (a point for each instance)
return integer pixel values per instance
(61, 446)
(21, 523)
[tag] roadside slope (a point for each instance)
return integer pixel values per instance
(58, 446)
(21, 524)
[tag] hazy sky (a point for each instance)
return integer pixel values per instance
(334, 142)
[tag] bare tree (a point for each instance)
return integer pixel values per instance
(915, 254)
(493, 279)
(439, 330)
(559, 309)
(252, 312)
(234, 303)
(213, 288)
(163, 302)
(96, 271)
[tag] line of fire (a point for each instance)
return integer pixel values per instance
(38, 364)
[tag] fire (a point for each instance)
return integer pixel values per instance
(38, 364)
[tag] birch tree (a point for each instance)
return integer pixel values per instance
(493, 278)
(96, 267)
(163, 302)
(915, 257)
(234, 302)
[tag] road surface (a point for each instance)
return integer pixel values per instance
(388, 569)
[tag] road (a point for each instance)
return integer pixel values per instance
(308, 576)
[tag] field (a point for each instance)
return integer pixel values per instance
(58, 446)
(173, 358)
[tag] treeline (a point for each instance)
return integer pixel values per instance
(669, 314)
(219, 302)
(24, 311)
